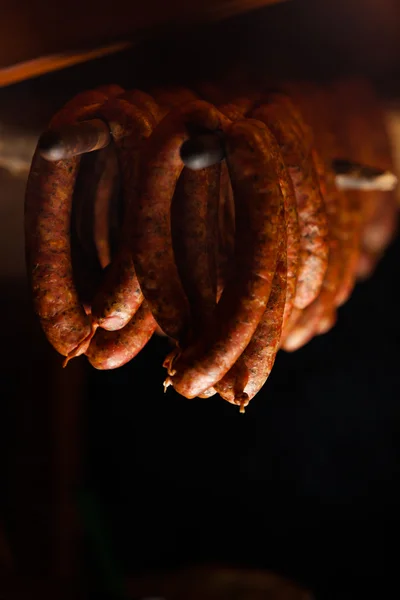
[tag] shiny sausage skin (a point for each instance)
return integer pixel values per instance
(259, 210)
(292, 230)
(259, 356)
(113, 349)
(150, 231)
(310, 207)
(194, 213)
(328, 116)
(340, 221)
(120, 296)
(313, 318)
(231, 386)
(48, 206)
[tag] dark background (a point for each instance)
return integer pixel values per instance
(307, 482)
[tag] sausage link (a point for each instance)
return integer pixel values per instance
(312, 220)
(113, 349)
(48, 206)
(234, 111)
(259, 356)
(150, 234)
(311, 320)
(231, 386)
(120, 296)
(200, 187)
(341, 225)
(303, 119)
(292, 227)
(194, 227)
(259, 210)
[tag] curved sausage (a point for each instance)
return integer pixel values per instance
(232, 385)
(119, 295)
(149, 218)
(312, 220)
(342, 246)
(327, 119)
(259, 210)
(194, 228)
(48, 206)
(259, 356)
(291, 221)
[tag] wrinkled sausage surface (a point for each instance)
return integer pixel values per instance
(259, 211)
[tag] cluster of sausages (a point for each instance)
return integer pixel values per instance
(232, 261)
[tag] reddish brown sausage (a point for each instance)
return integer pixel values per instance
(328, 119)
(150, 235)
(48, 206)
(259, 210)
(112, 349)
(340, 221)
(314, 317)
(292, 224)
(232, 385)
(120, 295)
(310, 207)
(259, 356)
(194, 227)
